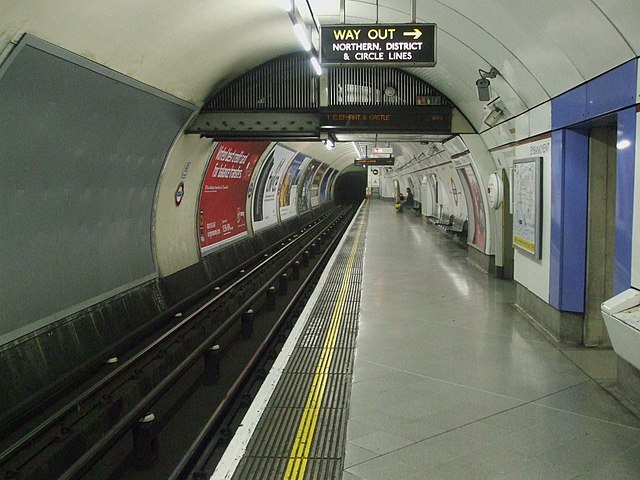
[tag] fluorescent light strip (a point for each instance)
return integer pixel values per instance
(355, 147)
(303, 36)
(316, 66)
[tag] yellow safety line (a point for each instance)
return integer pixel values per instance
(297, 463)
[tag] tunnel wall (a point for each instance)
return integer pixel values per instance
(96, 247)
(174, 231)
(81, 151)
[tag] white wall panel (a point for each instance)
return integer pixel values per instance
(523, 33)
(522, 126)
(572, 28)
(529, 272)
(489, 139)
(540, 119)
(624, 15)
(176, 243)
(505, 132)
(139, 38)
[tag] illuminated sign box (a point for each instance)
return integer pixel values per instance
(374, 161)
(409, 44)
(421, 119)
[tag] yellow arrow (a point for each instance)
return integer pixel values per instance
(416, 34)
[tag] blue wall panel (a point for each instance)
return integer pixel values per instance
(625, 176)
(569, 192)
(557, 182)
(569, 108)
(576, 188)
(613, 90)
(607, 93)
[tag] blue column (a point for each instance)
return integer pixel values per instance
(569, 192)
(625, 175)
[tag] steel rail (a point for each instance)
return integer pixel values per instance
(156, 344)
(193, 459)
(84, 463)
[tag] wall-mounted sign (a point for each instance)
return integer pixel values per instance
(374, 161)
(495, 190)
(380, 44)
(430, 119)
(179, 194)
(382, 150)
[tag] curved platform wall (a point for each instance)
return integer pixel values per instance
(174, 223)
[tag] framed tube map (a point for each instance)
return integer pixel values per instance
(526, 205)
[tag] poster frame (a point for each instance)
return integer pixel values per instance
(529, 246)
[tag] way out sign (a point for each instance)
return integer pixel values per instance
(409, 44)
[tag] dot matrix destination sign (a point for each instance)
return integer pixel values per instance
(411, 44)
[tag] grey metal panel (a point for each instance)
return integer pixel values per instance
(80, 155)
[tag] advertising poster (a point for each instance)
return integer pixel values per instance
(265, 199)
(325, 184)
(479, 232)
(315, 184)
(331, 184)
(221, 210)
(304, 186)
(289, 187)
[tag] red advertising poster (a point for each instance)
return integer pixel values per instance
(223, 197)
(479, 231)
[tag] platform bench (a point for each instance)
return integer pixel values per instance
(458, 227)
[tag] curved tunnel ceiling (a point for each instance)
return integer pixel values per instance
(191, 48)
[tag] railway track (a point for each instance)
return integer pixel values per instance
(123, 425)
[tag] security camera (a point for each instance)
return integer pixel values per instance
(484, 89)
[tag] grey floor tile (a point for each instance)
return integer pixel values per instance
(430, 453)
(622, 467)
(383, 468)
(593, 445)
(356, 429)
(600, 364)
(459, 469)
(355, 455)
(591, 400)
(452, 382)
(346, 475)
(381, 442)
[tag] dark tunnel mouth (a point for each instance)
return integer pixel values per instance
(351, 188)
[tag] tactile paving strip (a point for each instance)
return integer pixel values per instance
(270, 449)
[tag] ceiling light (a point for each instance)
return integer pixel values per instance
(303, 35)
